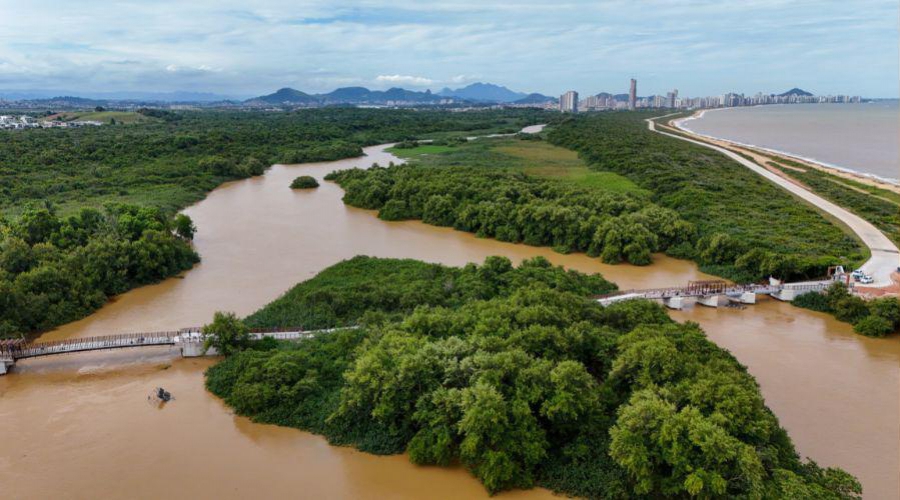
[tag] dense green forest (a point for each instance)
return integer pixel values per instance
(515, 374)
(748, 228)
(62, 254)
(512, 206)
(54, 270)
(177, 157)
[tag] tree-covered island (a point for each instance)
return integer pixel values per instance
(515, 373)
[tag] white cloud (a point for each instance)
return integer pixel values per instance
(463, 78)
(186, 70)
(234, 46)
(419, 81)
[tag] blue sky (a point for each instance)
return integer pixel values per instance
(249, 47)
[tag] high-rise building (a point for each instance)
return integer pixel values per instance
(568, 102)
(672, 97)
(632, 94)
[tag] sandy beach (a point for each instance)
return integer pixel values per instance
(763, 155)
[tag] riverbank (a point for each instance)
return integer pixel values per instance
(834, 391)
(764, 154)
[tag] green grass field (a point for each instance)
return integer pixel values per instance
(126, 117)
(537, 158)
(424, 149)
(542, 159)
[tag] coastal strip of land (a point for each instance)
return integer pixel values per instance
(766, 154)
(884, 253)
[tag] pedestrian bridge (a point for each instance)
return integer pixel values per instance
(717, 293)
(189, 340)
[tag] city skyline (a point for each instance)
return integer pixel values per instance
(227, 47)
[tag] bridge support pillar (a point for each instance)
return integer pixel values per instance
(709, 301)
(785, 295)
(747, 298)
(195, 350)
(674, 303)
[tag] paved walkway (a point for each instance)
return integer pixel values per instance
(885, 255)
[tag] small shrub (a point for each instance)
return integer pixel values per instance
(813, 300)
(887, 308)
(873, 326)
(394, 210)
(851, 309)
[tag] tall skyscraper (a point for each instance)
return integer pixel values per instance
(632, 94)
(568, 102)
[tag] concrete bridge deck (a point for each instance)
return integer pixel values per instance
(708, 292)
(190, 340)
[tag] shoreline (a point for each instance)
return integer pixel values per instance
(829, 168)
(882, 251)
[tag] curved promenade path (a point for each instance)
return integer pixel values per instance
(885, 255)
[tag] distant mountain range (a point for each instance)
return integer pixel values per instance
(346, 95)
(474, 93)
(180, 96)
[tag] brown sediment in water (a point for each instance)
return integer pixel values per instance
(82, 426)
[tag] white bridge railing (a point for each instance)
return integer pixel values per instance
(10, 351)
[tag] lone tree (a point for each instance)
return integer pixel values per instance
(184, 227)
(304, 182)
(227, 334)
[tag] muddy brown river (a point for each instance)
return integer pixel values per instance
(80, 426)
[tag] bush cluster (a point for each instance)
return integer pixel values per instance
(526, 382)
(511, 206)
(304, 182)
(874, 318)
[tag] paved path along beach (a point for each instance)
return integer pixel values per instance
(885, 255)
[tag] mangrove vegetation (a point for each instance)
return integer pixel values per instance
(58, 269)
(514, 373)
(874, 318)
(87, 213)
(747, 227)
(512, 206)
(304, 182)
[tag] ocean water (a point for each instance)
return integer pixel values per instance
(864, 137)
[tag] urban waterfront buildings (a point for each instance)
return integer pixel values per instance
(568, 102)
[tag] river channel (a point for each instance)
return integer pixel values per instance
(80, 426)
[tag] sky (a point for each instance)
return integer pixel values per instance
(253, 47)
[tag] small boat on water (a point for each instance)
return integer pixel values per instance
(160, 395)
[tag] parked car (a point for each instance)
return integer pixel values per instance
(857, 274)
(866, 280)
